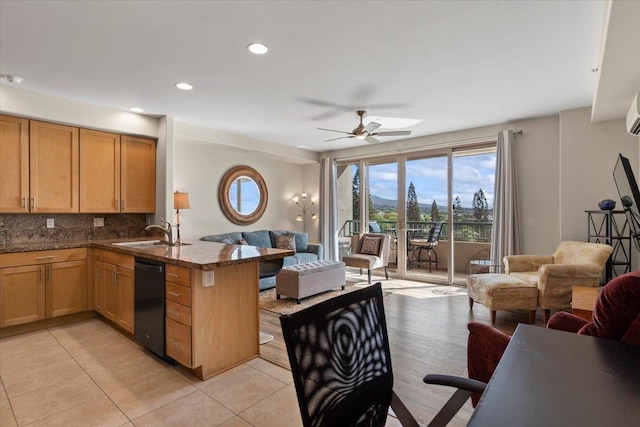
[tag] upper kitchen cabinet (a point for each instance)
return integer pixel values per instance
(53, 168)
(138, 174)
(99, 171)
(14, 164)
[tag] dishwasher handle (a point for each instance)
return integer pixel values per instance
(149, 267)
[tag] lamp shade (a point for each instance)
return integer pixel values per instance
(181, 200)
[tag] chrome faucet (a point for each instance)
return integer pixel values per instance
(168, 231)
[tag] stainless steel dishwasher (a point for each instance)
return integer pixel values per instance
(149, 315)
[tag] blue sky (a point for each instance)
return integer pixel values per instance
(429, 177)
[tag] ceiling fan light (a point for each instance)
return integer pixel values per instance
(361, 136)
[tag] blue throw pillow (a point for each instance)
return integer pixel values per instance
(374, 227)
(258, 238)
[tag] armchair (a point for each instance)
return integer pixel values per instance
(573, 263)
(616, 316)
(371, 252)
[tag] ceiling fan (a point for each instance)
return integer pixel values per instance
(366, 132)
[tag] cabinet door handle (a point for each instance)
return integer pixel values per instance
(175, 313)
(117, 204)
(174, 342)
(173, 275)
(123, 205)
(49, 272)
(34, 204)
(25, 204)
(46, 257)
(173, 294)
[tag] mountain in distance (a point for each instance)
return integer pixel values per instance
(384, 204)
(380, 203)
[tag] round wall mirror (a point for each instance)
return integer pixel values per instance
(243, 195)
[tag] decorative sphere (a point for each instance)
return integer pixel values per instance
(607, 204)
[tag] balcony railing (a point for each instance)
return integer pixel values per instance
(464, 231)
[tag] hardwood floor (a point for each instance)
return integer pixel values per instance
(427, 336)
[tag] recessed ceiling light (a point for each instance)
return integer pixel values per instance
(136, 109)
(184, 86)
(257, 48)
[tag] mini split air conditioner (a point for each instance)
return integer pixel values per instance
(633, 116)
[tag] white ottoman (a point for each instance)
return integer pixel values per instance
(311, 278)
(502, 292)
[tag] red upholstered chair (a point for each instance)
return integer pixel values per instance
(616, 316)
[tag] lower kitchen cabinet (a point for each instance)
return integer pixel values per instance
(114, 288)
(42, 284)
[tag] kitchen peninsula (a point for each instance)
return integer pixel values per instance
(212, 316)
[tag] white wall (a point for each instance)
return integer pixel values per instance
(33, 105)
(198, 167)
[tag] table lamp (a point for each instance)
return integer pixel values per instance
(180, 201)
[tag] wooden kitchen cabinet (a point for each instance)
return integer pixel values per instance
(138, 174)
(114, 292)
(46, 167)
(178, 312)
(99, 171)
(21, 295)
(14, 164)
(53, 168)
(42, 284)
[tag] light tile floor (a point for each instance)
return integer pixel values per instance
(87, 374)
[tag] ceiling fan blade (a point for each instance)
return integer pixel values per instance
(371, 127)
(342, 137)
(393, 133)
(333, 130)
(371, 140)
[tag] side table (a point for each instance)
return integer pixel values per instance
(477, 266)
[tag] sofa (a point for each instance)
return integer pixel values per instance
(305, 251)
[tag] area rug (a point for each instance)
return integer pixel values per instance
(287, 305)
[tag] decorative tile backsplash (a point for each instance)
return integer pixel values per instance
(20, 228)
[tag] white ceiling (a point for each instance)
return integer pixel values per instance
(455, 65)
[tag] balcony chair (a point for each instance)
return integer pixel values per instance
(428, 245)
(573, 263)
(372, 251)
(616, 316)
(341, 364)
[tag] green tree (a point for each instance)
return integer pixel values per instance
(480, 206)
(435, 213)
(413, 210)
(458, 215)
(355, 190)
(355, 197)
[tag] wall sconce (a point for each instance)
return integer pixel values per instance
(304, 202)
(180, 201)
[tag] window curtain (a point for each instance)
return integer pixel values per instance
(328, 207)
(505, 233)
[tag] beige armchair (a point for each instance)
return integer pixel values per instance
(573, 263)
(371, 252)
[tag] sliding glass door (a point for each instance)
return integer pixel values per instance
(437, 208)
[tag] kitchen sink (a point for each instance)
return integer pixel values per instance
(142, 244)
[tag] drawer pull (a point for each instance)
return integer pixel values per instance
(46, 257)
(175, 313)
(173, 294)
(173, 275)
(174, 342)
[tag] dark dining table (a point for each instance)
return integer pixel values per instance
(555, 378)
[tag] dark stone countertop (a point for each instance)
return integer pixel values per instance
(200, 255)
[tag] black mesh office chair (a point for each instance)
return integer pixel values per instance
(341, 364)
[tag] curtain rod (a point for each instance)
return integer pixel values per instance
(478, 139)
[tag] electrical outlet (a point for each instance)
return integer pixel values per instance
(530, 222)
(98, 222)
(50, 223)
